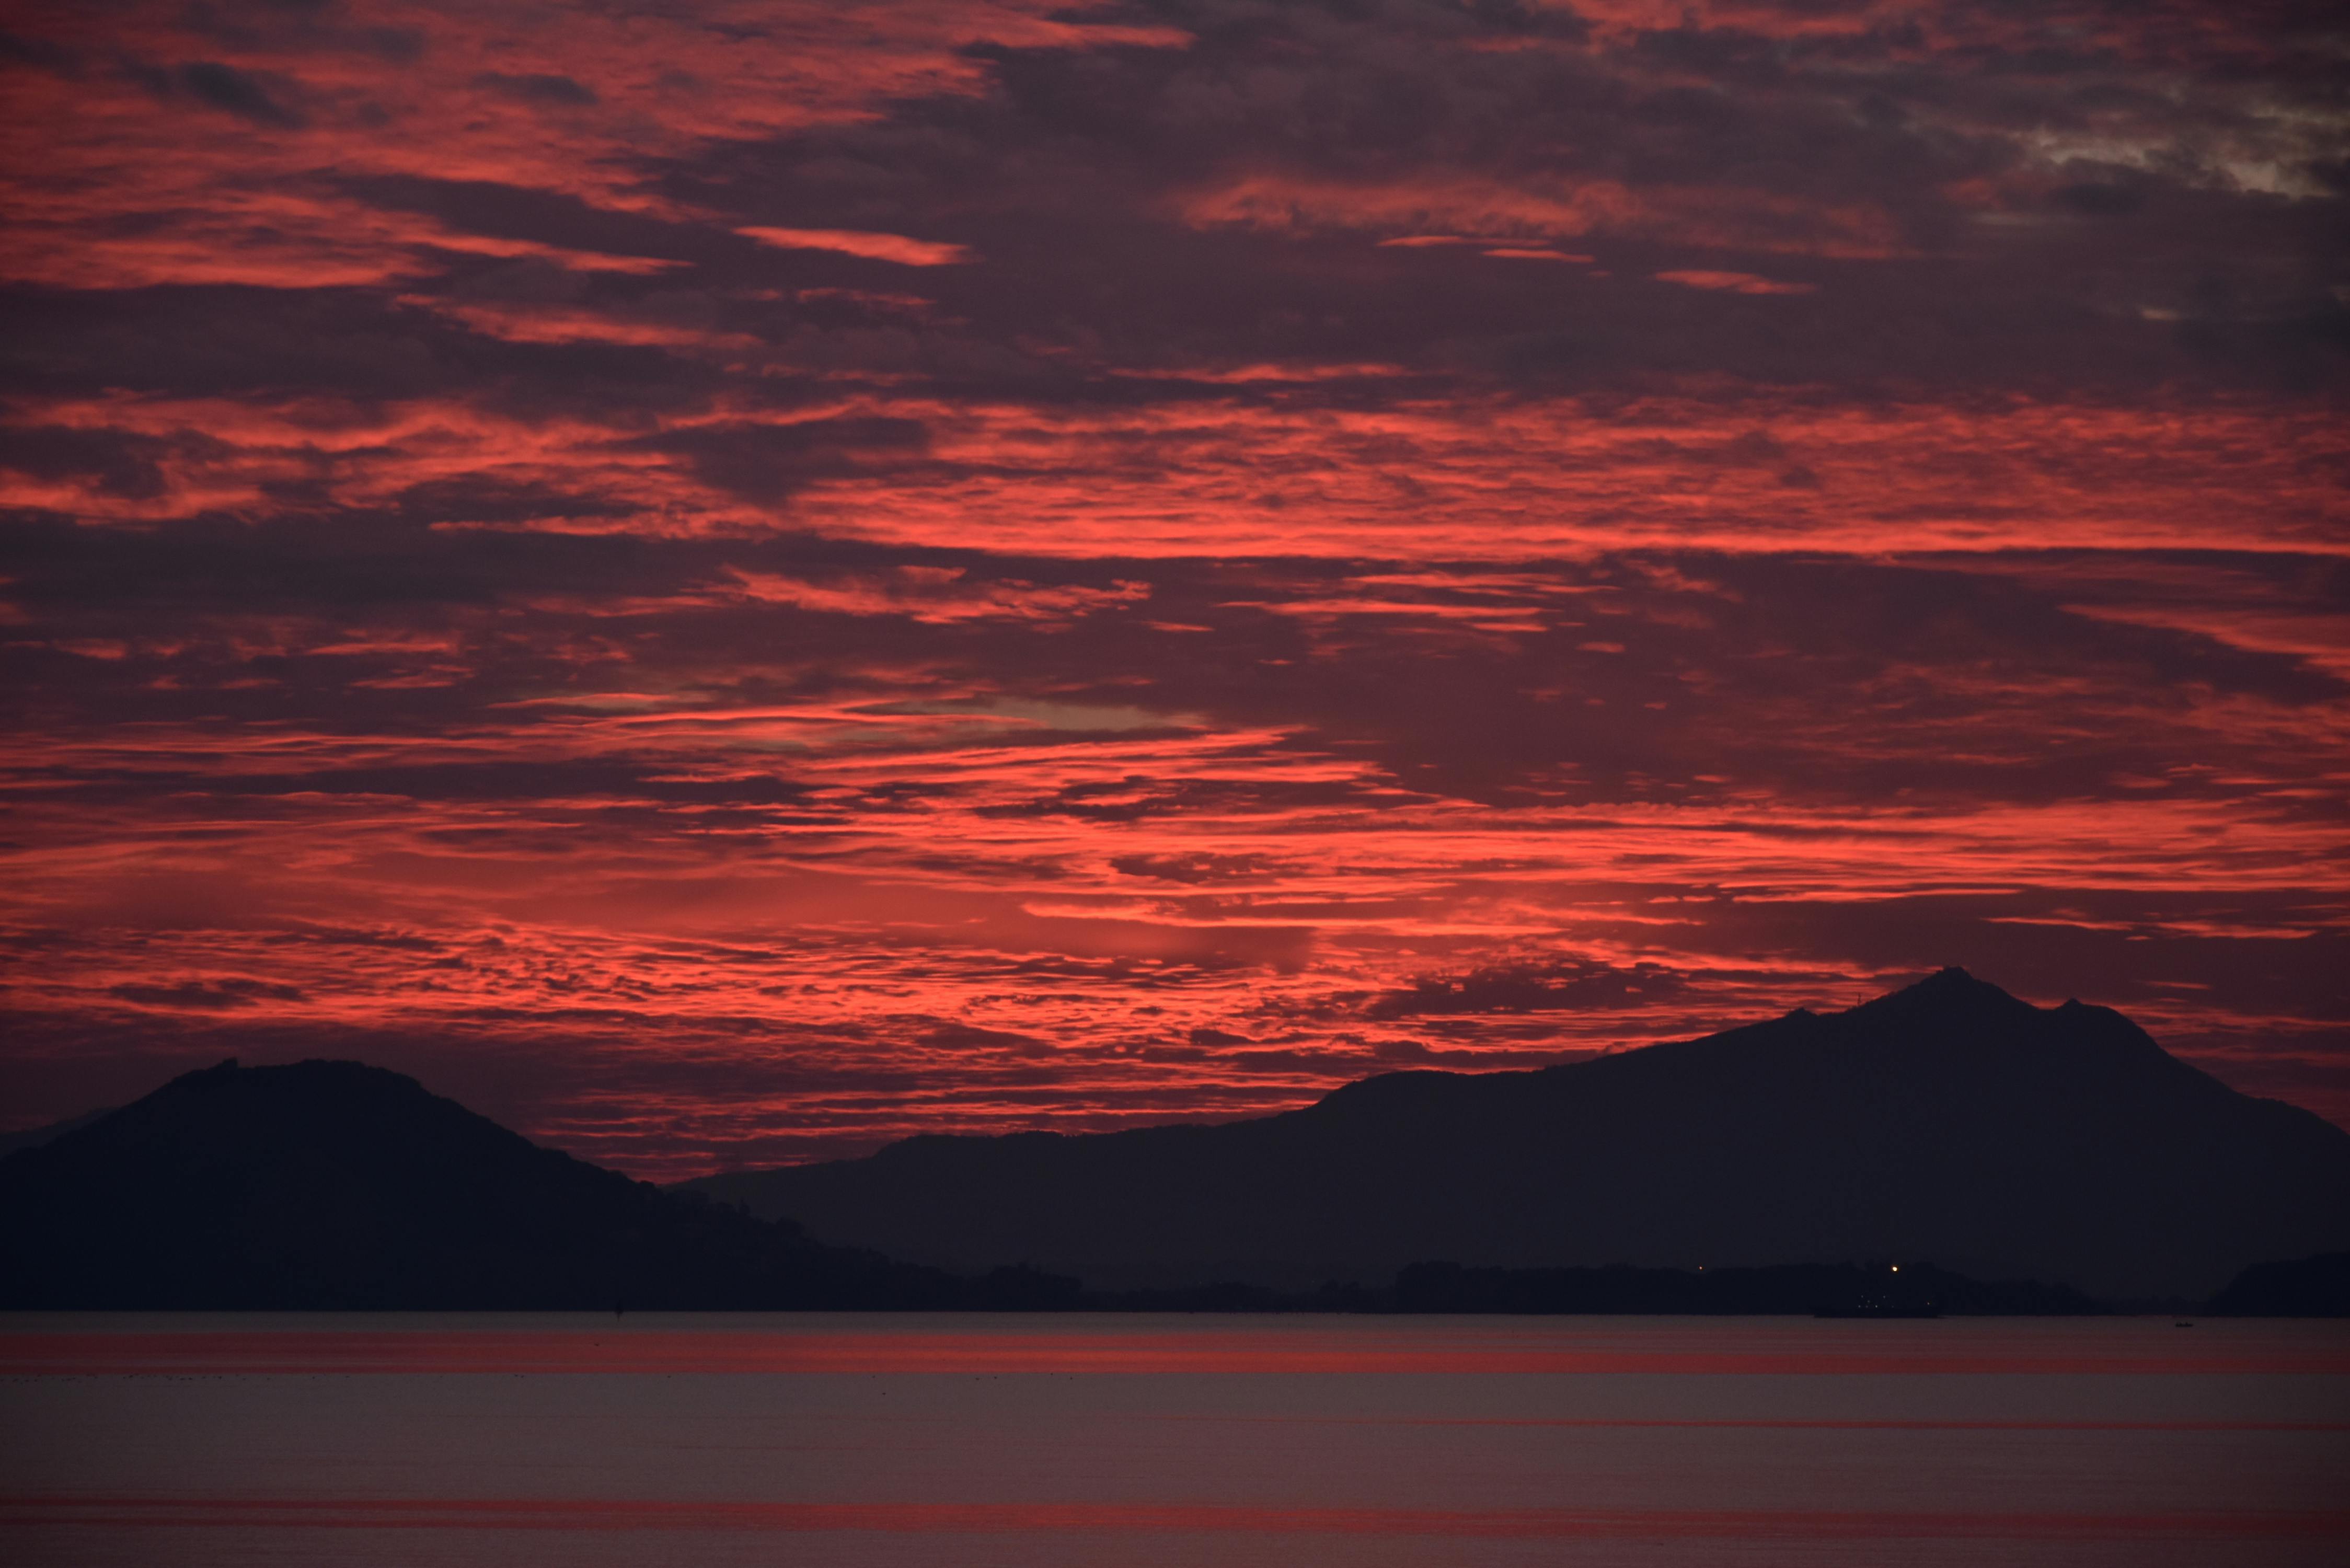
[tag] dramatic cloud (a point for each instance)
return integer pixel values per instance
(879, 247)
(732, 581)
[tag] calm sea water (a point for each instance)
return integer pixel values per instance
(975, 1439)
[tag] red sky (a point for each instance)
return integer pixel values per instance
(728, 581)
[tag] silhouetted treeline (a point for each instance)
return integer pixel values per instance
(1792, 1288)
(1797, 1288)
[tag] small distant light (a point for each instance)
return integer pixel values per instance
(1896, 1268)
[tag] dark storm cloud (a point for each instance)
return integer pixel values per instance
(1918, 679)
(594, 783)
(766, 463)
(476, 498)
(345, 343)
(206, 995)
(1191, 869)
(300, 26)
(512, 212)
(1530, 988)
(1932, 257)
(224, 87)
(37, 53)
(534, 87)
(116, 462)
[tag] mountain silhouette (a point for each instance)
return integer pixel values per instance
(332, 1184)
(1948, 1122)
(34, 1138)
(2298, 1287)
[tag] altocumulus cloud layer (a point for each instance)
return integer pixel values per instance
(730, 580)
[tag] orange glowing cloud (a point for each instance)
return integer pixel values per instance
(936, 596)
(850, 242)
(1554, 206)
(1733, 282)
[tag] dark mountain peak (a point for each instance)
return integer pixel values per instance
(360, 1127)
(314, 1075)
(1950, 994)
(326, 1184)
(311, 1071)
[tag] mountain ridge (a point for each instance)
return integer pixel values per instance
(1948, 1119)
(323, 1185)
(337, 1185)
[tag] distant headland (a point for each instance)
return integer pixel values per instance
(1946, 1147)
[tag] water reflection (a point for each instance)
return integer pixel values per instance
(932, 1439)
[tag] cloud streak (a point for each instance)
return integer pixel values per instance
(876, 247)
